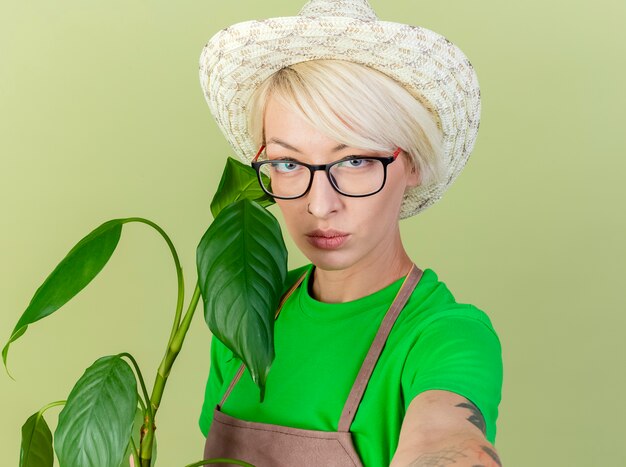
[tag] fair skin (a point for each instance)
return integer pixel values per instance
(440, 427)
(373, 256)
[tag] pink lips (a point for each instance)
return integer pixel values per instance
(327, 239)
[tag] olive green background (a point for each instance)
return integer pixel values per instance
(102, 116)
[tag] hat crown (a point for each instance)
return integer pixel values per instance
(360, 9)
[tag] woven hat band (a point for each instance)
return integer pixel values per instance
(358, 9)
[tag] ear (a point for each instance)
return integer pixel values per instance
(413, 177)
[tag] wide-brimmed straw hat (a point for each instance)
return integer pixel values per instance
(237, 59)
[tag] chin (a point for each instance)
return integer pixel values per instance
(330, 260)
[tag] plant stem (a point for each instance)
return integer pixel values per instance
(51, 404)
(179, 337)
(179, 273)
(141, 381)
(172, 351)
(147, 432)
(173, 348)
(142, 404)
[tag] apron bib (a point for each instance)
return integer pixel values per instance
(269, 445)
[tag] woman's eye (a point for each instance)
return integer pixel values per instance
(284, 166)
(354, 163)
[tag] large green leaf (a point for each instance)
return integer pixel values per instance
(242, 266)
(238, 181)
(71, 275)
(95, 425)
(36, 447)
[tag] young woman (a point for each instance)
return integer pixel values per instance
(376, 363)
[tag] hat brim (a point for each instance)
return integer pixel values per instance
(237, 59)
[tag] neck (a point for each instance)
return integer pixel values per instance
(359, 280)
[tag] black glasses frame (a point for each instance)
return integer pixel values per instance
(385, 160)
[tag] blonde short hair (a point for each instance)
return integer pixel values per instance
(356, 105)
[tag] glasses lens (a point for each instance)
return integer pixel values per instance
(358, 176)
(286, 179)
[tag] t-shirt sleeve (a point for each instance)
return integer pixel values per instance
(213, 388)
(460, 354)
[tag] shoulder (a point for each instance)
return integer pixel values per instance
(432, 300)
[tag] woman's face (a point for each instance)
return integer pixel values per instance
(371, 222)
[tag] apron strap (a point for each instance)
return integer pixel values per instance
(243, 366)
(358, 389)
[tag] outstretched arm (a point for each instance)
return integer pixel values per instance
(442, 428)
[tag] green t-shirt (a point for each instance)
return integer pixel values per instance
(435, 343)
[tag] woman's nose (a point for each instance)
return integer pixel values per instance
(322, 198)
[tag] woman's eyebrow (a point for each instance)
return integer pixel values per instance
(282, 143)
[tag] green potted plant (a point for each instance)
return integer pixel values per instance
(109, 416)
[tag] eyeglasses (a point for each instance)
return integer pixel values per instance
(355, 176)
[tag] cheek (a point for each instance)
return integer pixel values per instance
(373, 217)
(385, 205)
